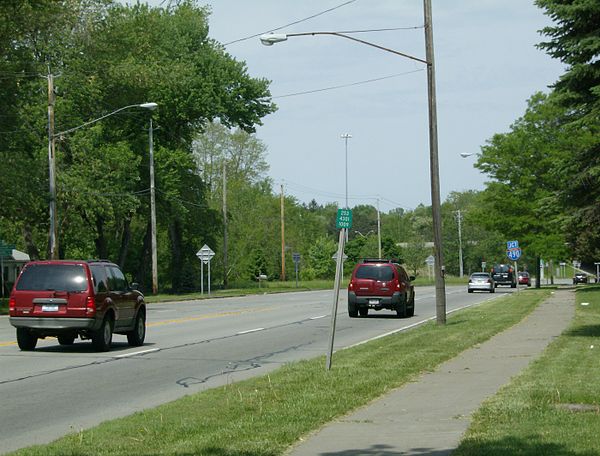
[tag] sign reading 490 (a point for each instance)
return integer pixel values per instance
(344, 219)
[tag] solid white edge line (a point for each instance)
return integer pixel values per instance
(250, 331)
(143, 352)
(404, 328)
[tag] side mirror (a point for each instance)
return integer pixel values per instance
(134, 286)
(411, 278)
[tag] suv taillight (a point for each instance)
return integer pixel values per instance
(351, 285)
(12, 305)
(90, 306)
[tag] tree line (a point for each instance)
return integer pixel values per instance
(212, 185)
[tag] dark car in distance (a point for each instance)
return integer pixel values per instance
(504, 274)
(66, 299)
(580, 277)
(380, 284)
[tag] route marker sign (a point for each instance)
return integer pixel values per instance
(344, 219)
(513, 254)
(205, 254)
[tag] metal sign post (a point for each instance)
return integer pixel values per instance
(343, 223)
(205, 254)
(296, 258)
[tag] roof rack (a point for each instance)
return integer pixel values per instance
(377, 260)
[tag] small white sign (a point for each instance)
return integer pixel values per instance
(205, 254)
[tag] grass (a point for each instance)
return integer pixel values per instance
(264, 416)
(536, 413)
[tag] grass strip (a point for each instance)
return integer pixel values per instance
(264, 416)
(553, 407)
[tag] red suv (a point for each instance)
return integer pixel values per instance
(66, 299)
(380, 284)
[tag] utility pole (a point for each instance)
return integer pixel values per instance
(153, 213)
(378, 228)
(225, 265)
(460, 251)
(52, 170)
(440, 285)
(282, 238)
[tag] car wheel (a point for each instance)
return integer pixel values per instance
(492, 290)
(102, 339)
(513, 285)
(469, 291)
(411, 310)
(66, 339)
(352, 310)
(26, 340)
(363, 311)
(137, 336)
(401, 310)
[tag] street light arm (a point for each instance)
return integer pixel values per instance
(270, 39)
(139, 105)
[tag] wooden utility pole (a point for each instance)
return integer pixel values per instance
(282, 237)
(440, 285)
(225, 266)
(52, 170)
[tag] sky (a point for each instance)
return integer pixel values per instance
(486, 65)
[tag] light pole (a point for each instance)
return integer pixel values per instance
(345, 137)
(440, 287)
(52, 158)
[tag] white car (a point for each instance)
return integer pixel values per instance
(481, 281)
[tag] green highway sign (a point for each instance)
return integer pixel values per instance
(6, 249)
(344, 219)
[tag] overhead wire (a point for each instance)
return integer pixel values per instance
(342, 86)
(291, 23)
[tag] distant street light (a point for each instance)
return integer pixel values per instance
(52, 158)
(440, 288)
(467, 154)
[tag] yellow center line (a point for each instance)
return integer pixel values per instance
(186, 319)
(207, 316)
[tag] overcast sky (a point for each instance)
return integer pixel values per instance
(487, 67)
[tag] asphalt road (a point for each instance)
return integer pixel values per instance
(190, 346)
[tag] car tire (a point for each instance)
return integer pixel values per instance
(102, 339)
(66, 339)
(352, 310)
(25, 339)
(513, 285)
(401, 310)
(492, 290)
(469, 291)
(363, 311)
(136, 337)
(410, 312)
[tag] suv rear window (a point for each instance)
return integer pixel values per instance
(501, 268)
(383, 273)
(58, 277)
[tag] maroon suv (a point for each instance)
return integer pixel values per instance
(67, 299)
(380, 284)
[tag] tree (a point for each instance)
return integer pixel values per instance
(575, 40)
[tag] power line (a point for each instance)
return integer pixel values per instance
(341, 86)
(291, 23)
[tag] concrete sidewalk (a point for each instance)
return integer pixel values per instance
(428, 417)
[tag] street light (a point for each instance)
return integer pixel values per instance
(52, 160)
(440, 292)
(467, 154)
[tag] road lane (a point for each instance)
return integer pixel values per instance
(191, 346)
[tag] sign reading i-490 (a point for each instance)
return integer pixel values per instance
(513, 254)
(344, 219)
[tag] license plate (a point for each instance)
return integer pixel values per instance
(373, 301)
(49, 308)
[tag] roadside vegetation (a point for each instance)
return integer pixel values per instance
(553, 407)
(265, 415)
